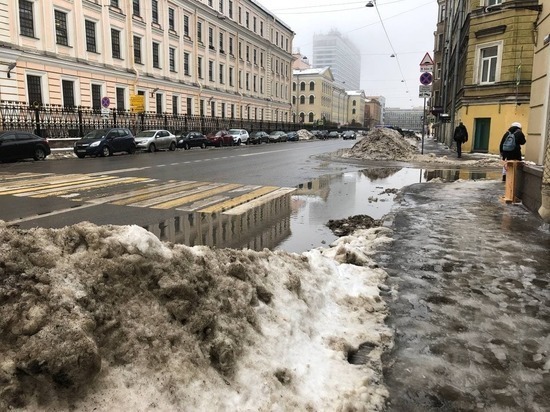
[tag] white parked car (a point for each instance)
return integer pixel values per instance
(239, 136)
(153, 140)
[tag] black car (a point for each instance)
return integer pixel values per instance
(349, 135)
(277, 136)
(333, 135)
(17, 145)
(193, 139)
(292, 136)
(105, 142)
(258, 137)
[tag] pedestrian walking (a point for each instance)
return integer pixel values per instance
(460, 136)
(510, 145)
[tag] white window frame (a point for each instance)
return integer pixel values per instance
(76, 89)
(492, 2)
(479, 62)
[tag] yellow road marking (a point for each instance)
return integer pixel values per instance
(48, 187)
(193, 198)
(133, 200)
(86, 186)
(220, 207)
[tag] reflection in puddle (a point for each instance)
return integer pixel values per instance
(296, 221)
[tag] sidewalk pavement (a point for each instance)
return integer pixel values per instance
(471, 306)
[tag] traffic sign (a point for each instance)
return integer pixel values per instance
(105, 101)
(426, 78)
(427, 64)
(424, 91)
(137, 103)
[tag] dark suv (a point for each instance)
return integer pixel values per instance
(15, 145)
(105, 142)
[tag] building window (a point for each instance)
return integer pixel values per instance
(354, 103)
(67, 87)
(171, 19)
(26, 18)
(220, 8)
(137, 49)
(231, 46)
(248, 54)
(311, 86)
(120, 103)
(310, 118)
(96, 96)
(115, 43)
(247, 81)
(231, 76)
(135, 8)
(230, 11)
(293, 86)
(302, 86)
(255, 56)
(201, 107)
(172, 59)
(155, 11)
(114, 3)
(158, 99)
(211, 70)
(488, 63)
(186, 26)
(156, 56)
(254, 24)
(90, 36)
(352, 111)
(213, 108)
(175, 104)
(255, 83)
(221, 42)
(211, 38)
(262, 28)
(221, 69)
(186, 69)
(210, 3)
(34, 89)
(261, 59)
(189, 105)
(311, 99)
(302, 99)
(61, 35)
(247, 19)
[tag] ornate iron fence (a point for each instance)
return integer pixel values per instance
(62, 122)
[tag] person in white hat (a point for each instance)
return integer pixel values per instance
(510, 145)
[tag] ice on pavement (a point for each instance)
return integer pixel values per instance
(110, 318)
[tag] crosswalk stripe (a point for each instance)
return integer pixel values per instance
(146, 196)
(86, 186)
(153, 189)
(35, 189)
(192, 198)
(220, 207)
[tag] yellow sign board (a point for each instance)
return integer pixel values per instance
(137, 103)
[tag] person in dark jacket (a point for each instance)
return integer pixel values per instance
(514, 154)
(460, 136)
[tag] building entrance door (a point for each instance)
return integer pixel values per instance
(482, 128)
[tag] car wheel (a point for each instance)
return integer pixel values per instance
(132, 149)
(80, 156)
(39, 153)
(152, 148)
(186, 146)
(172, 147)
(203, 145)
(105, 151)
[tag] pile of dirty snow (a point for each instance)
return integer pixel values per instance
(382, 144)
(304, 134)
(110, 318)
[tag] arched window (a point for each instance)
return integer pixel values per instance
(353, 111)
(311, 86)
(302, 116)
(302, 86)
(311, 99)
(354, 103)
(311, 118)
(293, 86)
(293, 99)
(302, 99)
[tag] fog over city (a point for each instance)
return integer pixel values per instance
(403, 28)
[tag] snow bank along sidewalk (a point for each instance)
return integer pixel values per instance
(109, 318)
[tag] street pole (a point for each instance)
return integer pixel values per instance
(423, 125)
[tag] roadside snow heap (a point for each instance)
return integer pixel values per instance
(110, 318)
(304, 134)
(382, 144)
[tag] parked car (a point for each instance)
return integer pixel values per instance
(349, 135)
(193, 139)
(333, 135)
(153, 140)
(17, 145)
(322, 134)
(239, 136)
(292, 136)
(277, 136)
(105, 142)
(220, 138)
(258, 137)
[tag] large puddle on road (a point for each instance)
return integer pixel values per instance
(296, 222)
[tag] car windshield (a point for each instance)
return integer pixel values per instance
(234, 132)
(97, 134)
(146, 133)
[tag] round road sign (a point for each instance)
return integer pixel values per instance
(426, 78)
(105, 101)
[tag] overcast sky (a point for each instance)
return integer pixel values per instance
(403, 27)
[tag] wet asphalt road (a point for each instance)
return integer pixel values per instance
(471, 307)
